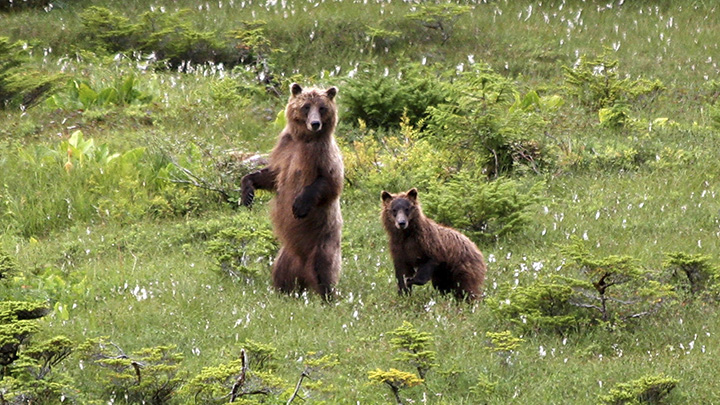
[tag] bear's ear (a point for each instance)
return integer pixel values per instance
(331, 92)
(386, 196)
(295, 89)
(412, 194)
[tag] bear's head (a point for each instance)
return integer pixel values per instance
(401, 210)
(311, 112)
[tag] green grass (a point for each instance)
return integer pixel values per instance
(110, 268)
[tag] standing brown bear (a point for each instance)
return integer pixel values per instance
(306, 170)
(422, 250)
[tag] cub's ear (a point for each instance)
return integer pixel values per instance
(331, 92)
(295, 89)
(386, 196)
(412, 194)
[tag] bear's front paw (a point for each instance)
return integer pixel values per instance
(248, 193)
(301, 207)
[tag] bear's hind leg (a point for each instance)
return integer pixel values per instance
(324, 269)
(287, 272)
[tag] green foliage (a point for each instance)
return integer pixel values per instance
(596, 84)
(484, 121)
(616, 116)
(261, 356)
(242, 252)
(25, 366)
(17, 324)
(23, 4)
(649, 389)
(169, 36)
(381, 100)
(392, 162)
(440, 17)
(692, 273)
(484, 387)
(395, 379)
(80, 95)
(150, 375)
(484, 210)
(542, 305)
(20, 84)
(614, 286)
(414, 347)
(8, 265)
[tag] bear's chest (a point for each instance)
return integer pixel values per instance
(412, 251)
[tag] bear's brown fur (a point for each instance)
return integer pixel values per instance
(423, 250)
(306, 170)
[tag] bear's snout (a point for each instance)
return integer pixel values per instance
(401, 221)
(315, 125)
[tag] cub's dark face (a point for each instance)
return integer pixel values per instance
(312, 108)
(401, 208)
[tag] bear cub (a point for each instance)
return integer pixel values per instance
(306, 171)
(423, 250)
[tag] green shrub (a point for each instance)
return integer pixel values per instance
(8, 265)
(614, 287)
(692, 274)
(596, 84)
(543, 305)
(392, 161)
(485, 122)
(25, 366)
(169, 36)
(23, 4)
(382, 100)
(650, 389)
(242, 252)
(486, 210)
(414, 348)
(19, 84)
(150, 375)
(439, 17)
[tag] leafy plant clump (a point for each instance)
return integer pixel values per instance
(395, 379)
(381, 100)
(486, 210)
(650, 389)
(242, 252)
(543, 305)
(20, 84)
(150, 375)
(596, 84)
(413, 345)
(486, 123)
(168, 36)
(692, 274)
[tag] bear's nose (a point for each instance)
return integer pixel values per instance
(401, 223)
(315, 125)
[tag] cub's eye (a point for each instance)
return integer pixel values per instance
(394, 211)
(306, 107)
(323, 110)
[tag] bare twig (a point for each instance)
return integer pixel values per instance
(304, 374)
(240, 381)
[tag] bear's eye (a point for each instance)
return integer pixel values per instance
(306, 107)
(323, 110)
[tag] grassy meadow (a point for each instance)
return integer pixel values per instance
(566, 138)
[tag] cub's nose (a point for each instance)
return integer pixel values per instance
(315, 125)
(401, 224)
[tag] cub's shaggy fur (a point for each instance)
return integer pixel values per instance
(306, 170)
(422, 250)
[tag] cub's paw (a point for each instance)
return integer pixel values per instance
(301, 207)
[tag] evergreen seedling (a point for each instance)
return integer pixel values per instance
(414, 347)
